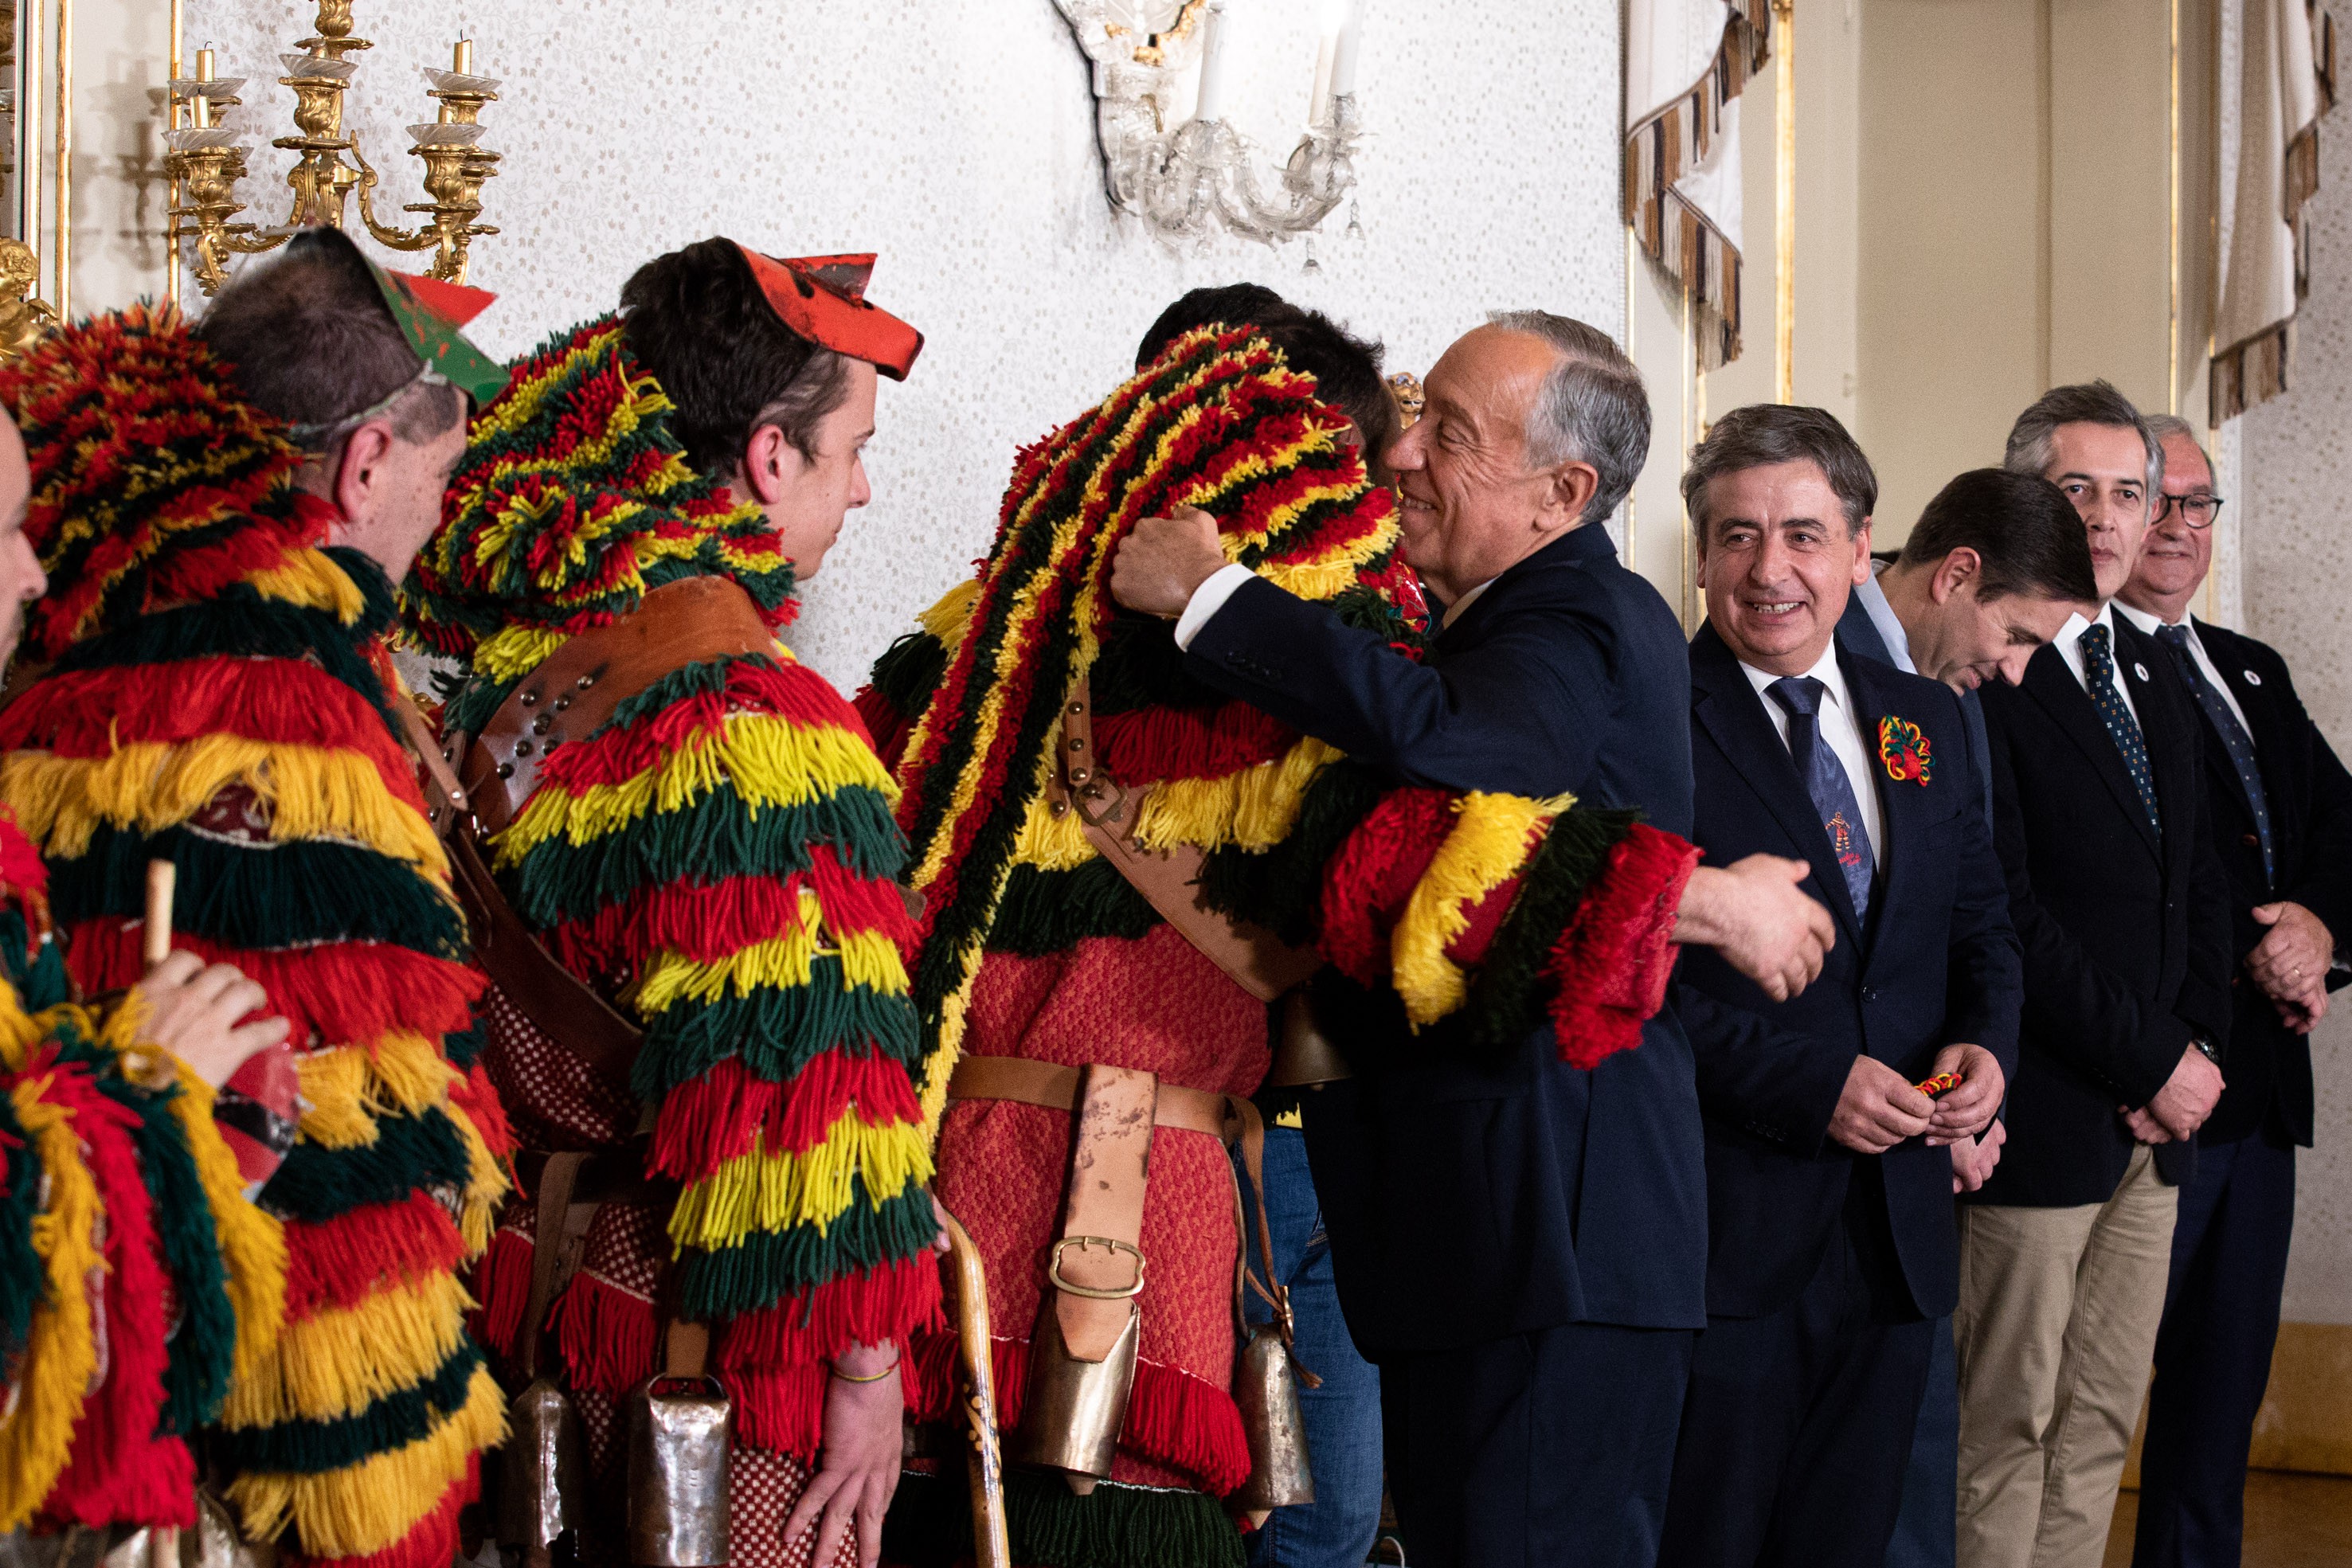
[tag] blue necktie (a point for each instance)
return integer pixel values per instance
(2099, 675)
(2234, 738)
(1826, 782)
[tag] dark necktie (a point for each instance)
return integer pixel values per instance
(2234, 738)
(1826, 782)
(2099, 675)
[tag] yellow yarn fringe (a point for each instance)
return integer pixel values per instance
(252, 1241)
(950, 1050)
(62, 1350)
(310, 579)
(368, 1507)
(340, 1360)
(485, 1185)
(1254, 809)
(867, 957)
(313, 793)
(947, 618)
(760, 1191)
(1326, 577)
(1490, 839)
(513, 651)
(770, 760)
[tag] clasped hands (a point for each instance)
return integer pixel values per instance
(2291, 963)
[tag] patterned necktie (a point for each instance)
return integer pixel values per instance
(2099, 675)
(2234, 738)
(1826, 782)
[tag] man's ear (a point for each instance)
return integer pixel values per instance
(765, 457)
(1573, 485)
(1862, 553)
(359, 470)
(1960, 567)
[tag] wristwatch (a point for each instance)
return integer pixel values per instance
(2205, 1048)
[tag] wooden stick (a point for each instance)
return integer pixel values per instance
(992, 1546)
(155, 941)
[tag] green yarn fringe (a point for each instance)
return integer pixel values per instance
(771, 1265)
(311, 1447)
(1115, 1526)
(317, 1184)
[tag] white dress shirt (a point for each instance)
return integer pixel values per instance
(2149, 623)
(2069, 644)
(1838, 726)
(1883, 618)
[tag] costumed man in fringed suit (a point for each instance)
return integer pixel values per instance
(112, 1167)
(1120, 869)
(218, 520)
(691, 836)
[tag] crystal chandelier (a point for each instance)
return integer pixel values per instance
(1202, 175)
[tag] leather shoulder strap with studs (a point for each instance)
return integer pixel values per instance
(581, 685)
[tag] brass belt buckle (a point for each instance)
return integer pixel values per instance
(1108, 1244)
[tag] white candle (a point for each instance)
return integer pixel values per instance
(1319, 102)
(1343, 52)
(1211, 102)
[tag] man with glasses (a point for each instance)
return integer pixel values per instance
(2282, 809)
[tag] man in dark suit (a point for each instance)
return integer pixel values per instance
(2100, 818)
(1991, 571)
(2281, 808)
(1832, 1245)
(1519, 1244)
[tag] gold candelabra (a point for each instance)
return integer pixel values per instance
(206, 160)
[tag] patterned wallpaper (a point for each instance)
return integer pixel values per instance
(957, 140)
(2296, 477)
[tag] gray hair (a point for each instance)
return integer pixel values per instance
(1591, 407)
(2165, 427)
(2030, 439)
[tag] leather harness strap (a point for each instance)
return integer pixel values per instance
(1027, 1083)
(580, 685)
(1097, 1267)
(548, 1250)
(1255, 959)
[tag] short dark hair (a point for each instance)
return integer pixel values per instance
(2029, 450)
(1346, 368)
(698, 320)
(1764, 434)
(2022, 527)
(308, 338)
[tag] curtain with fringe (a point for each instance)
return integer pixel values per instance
(1685, 63)
(2285, 80)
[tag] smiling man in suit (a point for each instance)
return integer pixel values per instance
(2281, 808)
(2099, 814)
(1832, 1244)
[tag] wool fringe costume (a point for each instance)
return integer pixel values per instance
(717, 861)
(1471, 914)
(220, 693)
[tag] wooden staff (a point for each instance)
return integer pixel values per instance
(992, 1547)
(155, 940)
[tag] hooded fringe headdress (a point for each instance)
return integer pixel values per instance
(720, 858)
(220, 696)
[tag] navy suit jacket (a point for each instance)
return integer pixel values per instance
(2310, 799)
(1936, 963)
(1857, 632)
(2127, 929)
(1469, 1199)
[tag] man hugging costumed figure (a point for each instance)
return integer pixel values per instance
(1121, 869)
(685, 852)
(219, 693)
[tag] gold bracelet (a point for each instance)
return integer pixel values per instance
(872, 1377)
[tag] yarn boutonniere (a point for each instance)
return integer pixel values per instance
(1903, 750)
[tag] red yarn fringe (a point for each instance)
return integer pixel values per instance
(22, 870)
(889, 728)
(475, 1097)
(608, 1336)
(282, 702)
(710, 920)
(888, 1302)
(1159, 743)
(121, 1471)
(502, 1284)
(341, 1261)
(713, 1119)
(1612, 964)
(791, 692)
(1174, 1419)
(433, 1541)
(341, 993)
(1366, 882)
(1485, 917)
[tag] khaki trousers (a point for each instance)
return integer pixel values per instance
(2056, 1331)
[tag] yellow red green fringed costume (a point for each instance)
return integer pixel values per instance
(143, 1195)
(1470, 908)
(719, 860)
(218, 695)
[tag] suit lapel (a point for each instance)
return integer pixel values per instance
(1902, 807)
(1733, 715)
(2050, 682)
(2268, 723)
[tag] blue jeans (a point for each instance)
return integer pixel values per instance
(1343, 1414)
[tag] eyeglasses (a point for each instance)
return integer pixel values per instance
(2196, 511)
